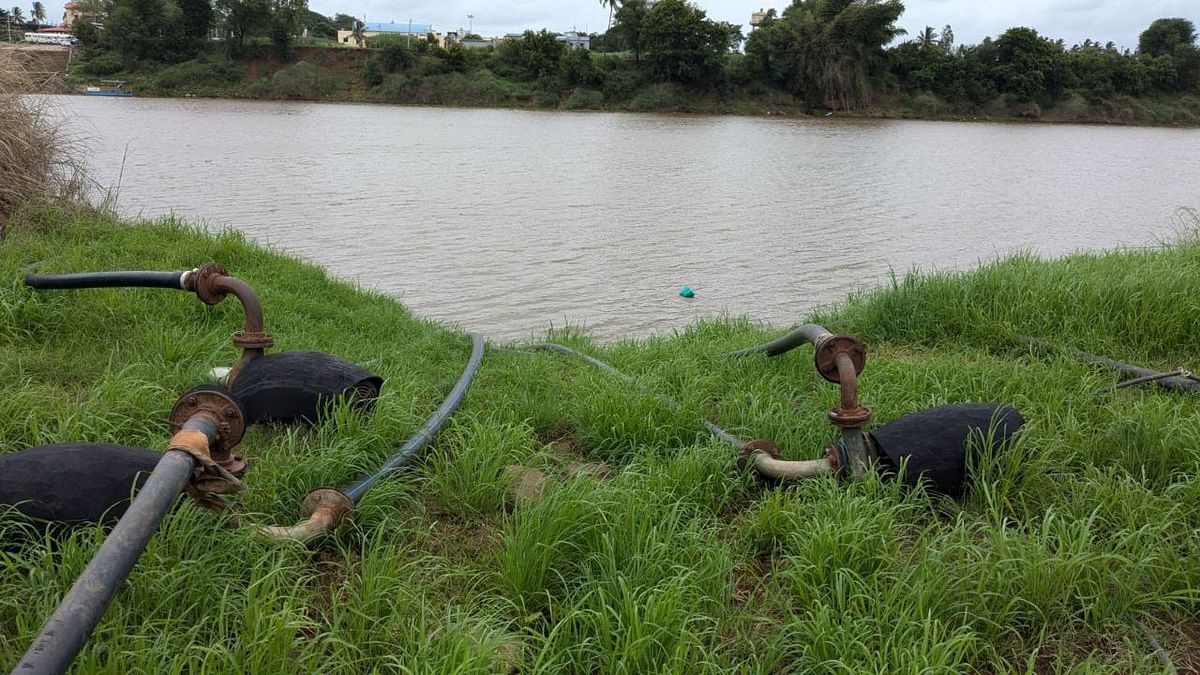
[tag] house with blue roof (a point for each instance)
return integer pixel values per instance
(415, 31)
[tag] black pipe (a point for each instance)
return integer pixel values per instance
(131, 279)
(1164, 380)
(68, 628)
(66, 631)
(432, 426)
(671, 403)
(809, 333)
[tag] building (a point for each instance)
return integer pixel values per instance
(408, 29)
(575, 40)
(757, 18)
(76, 10)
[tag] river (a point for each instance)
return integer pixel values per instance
(510, 222)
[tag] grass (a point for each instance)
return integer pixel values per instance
(1074, 553)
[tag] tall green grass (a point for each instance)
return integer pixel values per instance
(1075, 552)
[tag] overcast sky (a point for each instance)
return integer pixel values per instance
(1072, 20)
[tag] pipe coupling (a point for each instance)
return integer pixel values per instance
(827, 349)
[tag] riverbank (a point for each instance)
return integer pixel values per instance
(1077, 552)
(340, 75)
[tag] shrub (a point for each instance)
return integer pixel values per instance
(34, 158)
(301, 80)
(372, 73)
(188, 74)
(396, 57)
(101, 66)
(584, 99)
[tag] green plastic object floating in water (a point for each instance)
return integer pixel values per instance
(687, 292)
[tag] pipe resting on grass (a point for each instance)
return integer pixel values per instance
(761, 455)
(210, 283)
(1179, 380)
(326, 508)
(68, 628)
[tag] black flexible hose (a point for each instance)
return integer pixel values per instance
(809, 333)
(68, 628)
(1164, 380)
(131, 279)
(432, 426)
(671, 403)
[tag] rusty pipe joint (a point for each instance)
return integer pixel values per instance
(216, 407)
(762, 456)
(211, 284)
(325, 509)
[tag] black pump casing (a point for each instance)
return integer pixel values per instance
(933, 443)
(301, 386)
(74, 482)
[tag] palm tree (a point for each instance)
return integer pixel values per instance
(928, 38)
(39, 13)
(4, 19)
(611, 5)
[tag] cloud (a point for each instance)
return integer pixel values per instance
(1072, 20)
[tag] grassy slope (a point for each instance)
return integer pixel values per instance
(677, 564)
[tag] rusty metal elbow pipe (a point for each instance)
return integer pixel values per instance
(211, 284)
(325, 510)
(762, 456)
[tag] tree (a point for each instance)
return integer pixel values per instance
(928, 38)
(39, 13)
(285, 24)
(1028, 65)
(1168, 47)
(611, 5)
(827, 50)
(534, 56)
(629, 25)
(242, 19)
(17, 16)
(1164, 36)
(682, 43)
(344, 22)
(317, 25)
(138, 30)
(947, 41)
(195, 21)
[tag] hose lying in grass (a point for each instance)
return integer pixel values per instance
(209, 426)
(930, 446)
(286, 387)
(1179, 380)
(326, 508)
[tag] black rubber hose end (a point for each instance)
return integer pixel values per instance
(74, 482)
(302, 387)
(933, 444)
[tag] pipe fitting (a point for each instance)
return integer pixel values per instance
(225, 414)
(764, 458)
(829, 348)
(211, 285)
(325, 509)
